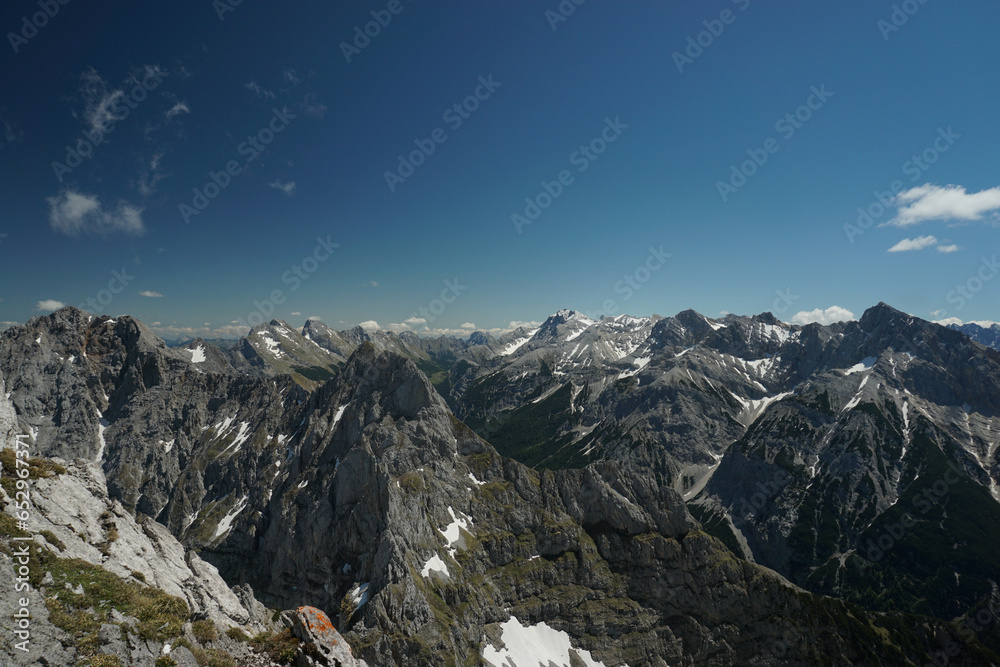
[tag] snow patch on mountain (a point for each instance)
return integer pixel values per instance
(534, 645)
(864, 365)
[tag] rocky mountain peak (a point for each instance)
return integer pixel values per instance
(881, 316)
(556, 323)
(481, 338)
(392, 380)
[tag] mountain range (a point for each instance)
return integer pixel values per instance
(631, 490)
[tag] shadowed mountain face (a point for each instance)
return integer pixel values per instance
(803, 448)
(367, 497)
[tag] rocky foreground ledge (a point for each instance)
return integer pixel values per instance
(103, 588)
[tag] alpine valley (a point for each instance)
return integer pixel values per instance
(634, 491)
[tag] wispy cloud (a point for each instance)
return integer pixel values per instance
(935, 202)
(104, 104)
(948, 248)
(259, 91)
(313, 107)
(918, 243)
(288, 188)
(172, 331)
(419, 325)
(151, 294)
(369, 325)
(11, 133)
(48, 305)
(828, 316)
(99, 100)
(73, 213)
(150, 176)
(179, 108)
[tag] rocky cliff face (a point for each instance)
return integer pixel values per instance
(368, 498)
(84, 565)
(803, 448)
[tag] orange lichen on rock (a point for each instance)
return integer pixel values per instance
(319, 624)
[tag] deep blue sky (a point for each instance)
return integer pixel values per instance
(655, 186)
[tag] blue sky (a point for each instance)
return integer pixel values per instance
(635, 142)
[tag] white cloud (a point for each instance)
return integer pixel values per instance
(150, 294)
(411, 321)
(828, 316)
(296, 314)
(373, 283)
(315, 318)
(952, 202)
(467, 325)
(49, 304)
(287, 188)
(918, 243)
(514, 324)
(73, 213)
(179, 108)
(369, 325)
(948, 248)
